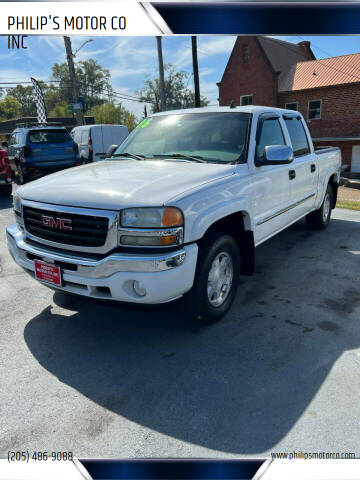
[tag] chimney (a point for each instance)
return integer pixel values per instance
(307, 49)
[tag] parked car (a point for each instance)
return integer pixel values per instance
(94, 140)
(179, 208)
(5, 174)
(38, 150)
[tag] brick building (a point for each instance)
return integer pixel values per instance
(266, 71)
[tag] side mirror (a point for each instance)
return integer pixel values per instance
(5, 144)
(276, 155)
(111, 150)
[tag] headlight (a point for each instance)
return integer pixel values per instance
(151, 227)
(150, 217)
(17, 208)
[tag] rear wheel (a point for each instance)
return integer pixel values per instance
(6, 190)
(319, 219)
(216, 278)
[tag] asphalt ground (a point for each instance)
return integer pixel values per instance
(281, 372)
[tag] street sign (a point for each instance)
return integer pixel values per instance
(77, 106)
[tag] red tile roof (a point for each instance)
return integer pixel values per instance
(321, 73)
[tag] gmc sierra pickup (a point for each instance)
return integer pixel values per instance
(179, 208)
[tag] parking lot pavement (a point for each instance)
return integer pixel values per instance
(280, 372)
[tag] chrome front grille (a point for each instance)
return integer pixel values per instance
(86, 230)
(71, 228)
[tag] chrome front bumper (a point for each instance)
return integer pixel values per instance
(165, 276)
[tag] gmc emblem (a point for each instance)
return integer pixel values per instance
(59, 223)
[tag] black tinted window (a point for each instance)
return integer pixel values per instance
(298, 137)
(49, 136)
(270, 134)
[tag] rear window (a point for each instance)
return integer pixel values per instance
(49, 136)
(298, 136)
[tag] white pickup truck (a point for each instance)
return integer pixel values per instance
(179, 208)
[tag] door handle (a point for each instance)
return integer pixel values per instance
(292, 174)
(313, 167)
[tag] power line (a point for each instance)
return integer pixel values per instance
(329, 55)
(124, 96)
(321, 60)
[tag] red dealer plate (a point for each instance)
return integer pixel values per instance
(48, 273)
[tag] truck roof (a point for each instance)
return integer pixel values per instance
(246, 109)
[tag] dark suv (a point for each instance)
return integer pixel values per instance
(39, 150)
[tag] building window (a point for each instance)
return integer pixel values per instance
(314, 109)
(291, 106)
(246, 100)
(245, 54)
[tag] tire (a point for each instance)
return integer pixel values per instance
(20, 174)
(319, 219)
(218, 263)
(6, 190)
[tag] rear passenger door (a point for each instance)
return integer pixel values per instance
(304, 178)
(272, 186)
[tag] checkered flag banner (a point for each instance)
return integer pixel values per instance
(40, 104)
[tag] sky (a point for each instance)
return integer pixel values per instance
(133, 59)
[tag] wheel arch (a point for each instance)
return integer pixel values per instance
(239, 226)
(333, 183)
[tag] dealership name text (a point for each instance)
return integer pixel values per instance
(70, 23)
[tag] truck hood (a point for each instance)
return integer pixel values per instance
(115, 184)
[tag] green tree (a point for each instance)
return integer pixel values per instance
(110, 113)
(177, 94)
(26, 98)
(10, 108)
(60, 110)
(93, 80)
(51, 94)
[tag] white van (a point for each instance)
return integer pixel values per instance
(94, 140)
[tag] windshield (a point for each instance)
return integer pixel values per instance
(213, 137)
(49, 136)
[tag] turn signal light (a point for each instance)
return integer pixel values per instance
(168, 240)
(171, 217)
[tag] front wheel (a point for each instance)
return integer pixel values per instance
(319, 219)
(216, 278)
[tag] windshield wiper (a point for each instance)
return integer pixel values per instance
(136, 156)
(194, 158)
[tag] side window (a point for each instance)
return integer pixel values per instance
(270, 134)
(298, 136)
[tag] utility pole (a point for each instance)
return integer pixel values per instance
(161, 75)
(74, 85)
(196, 71)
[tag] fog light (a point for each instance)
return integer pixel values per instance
(139, 288)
